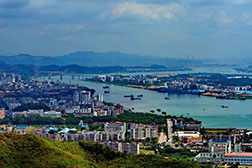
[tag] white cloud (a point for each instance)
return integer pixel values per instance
(153, 12)
(241, 2)
(43, 33)
(41, 3)
(204, 16)
(68, 38)
(224, 19)
(247, 19)
(74, 27)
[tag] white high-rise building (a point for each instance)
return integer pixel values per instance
(169, 125)
(76, 97)
(100, 97)
(85, 97)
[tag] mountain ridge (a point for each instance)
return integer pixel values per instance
(91, 58)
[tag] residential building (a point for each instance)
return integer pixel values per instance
(81, 97)
(131, 148)
(119, 109)
(216, 153)
(85, 97)
(141, 131)
(90, 135)
(112, 136)
(114, 145)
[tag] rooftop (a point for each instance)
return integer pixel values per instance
(21, 127)
(239, 154)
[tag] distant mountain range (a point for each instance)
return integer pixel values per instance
(29, 69)
(90, 58)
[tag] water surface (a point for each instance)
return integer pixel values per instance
(206, 109)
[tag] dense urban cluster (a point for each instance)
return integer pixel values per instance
(51, 99)
(169, 137)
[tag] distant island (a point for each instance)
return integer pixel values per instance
(244, 70)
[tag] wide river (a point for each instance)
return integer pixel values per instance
(207, 109)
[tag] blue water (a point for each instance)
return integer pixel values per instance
(206, 109)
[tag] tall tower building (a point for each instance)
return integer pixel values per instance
(169, 125)
(76, 97)
(100, 97)
(85, 97)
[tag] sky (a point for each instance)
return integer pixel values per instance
(161, 28)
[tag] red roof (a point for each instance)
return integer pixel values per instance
(239, 154)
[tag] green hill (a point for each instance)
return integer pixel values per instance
(32, 151)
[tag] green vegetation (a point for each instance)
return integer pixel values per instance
(162, 128)
(32, 106)
(224, 80)
(28, 70)
(147, 152)
(22, 151)
(175, 138)
(248, 149)
(178, 153)
(3, 105)
(144, 118)
(241, 96)
(33, 121)
(108, 103)
(99, 127)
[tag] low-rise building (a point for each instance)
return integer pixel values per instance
(216, 153)
(37, 113)
(115, 126)
(131, 148)
(119, 109)
(114, 145)
(52, 114)
(141, 131)
(90, 135)
(112, 136)
(84, 112)
(181, 134)
(241, 158)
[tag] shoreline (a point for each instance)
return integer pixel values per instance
(208, 94)
(237, 118)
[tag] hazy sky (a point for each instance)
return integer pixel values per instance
(167, 28)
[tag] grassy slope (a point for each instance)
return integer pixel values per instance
(34, 151)
(28, 151)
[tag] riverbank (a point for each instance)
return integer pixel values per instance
(204, 108)
(159, 88)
